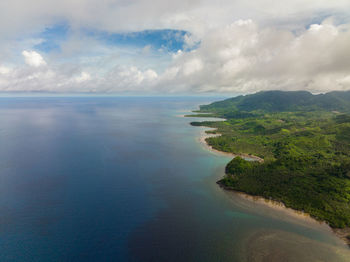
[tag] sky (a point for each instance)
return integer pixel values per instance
(141, 47)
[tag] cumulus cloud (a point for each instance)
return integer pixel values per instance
(83, 77)
(122, 78)
(4, 70)
(40, 76)
(242, 57)
(20, 16)
(224, 51)
(37, 75)
(33, 58)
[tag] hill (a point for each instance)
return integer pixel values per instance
(304, 140)
(283, 101)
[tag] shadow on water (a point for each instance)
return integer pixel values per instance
(219, 227)
(124, 179)
(205, 223)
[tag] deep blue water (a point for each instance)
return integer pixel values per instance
(125, 179)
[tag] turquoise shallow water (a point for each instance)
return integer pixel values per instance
(125, 179)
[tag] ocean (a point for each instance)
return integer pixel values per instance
(125, 179)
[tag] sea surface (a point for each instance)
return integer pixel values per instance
(126, 179)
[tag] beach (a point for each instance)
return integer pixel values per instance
(204, 135)
(340, 232)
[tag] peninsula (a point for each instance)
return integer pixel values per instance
(303, 141)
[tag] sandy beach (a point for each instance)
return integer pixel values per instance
(276, 205)
(341, 233)
(204, 136)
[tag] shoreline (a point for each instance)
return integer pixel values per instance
(204, 136)
(341, 233)
(277, 205)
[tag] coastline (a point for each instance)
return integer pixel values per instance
(204, 136)
(277, 205)
(341, 233)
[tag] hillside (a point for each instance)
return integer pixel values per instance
(304, 140)
(282, 101)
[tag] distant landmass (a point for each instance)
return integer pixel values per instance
(282, 101)
(304, 143)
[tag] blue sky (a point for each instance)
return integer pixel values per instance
(168, 40)
(52, 37)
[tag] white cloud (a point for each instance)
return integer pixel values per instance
(33, 58)
(242, 57)
(83, 77)
(125, 79)
(40, 76)
(4, 70)
(150, 75)
(192, 66)
(20, 16)
(190, 41)
(275, 50)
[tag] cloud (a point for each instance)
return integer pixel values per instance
(122, 78)
(192, 66)
(224, 50)
(40, 76)
(4, 70)
(242, 57)
(83, 77)
(37, 75)
(33, 58)
(20, 16)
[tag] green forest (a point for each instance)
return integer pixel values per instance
(304, 140)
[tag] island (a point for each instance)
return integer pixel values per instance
(303, 143)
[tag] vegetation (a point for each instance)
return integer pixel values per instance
(304, 140)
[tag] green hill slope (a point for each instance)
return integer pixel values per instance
(282, 101)
(304, 140)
